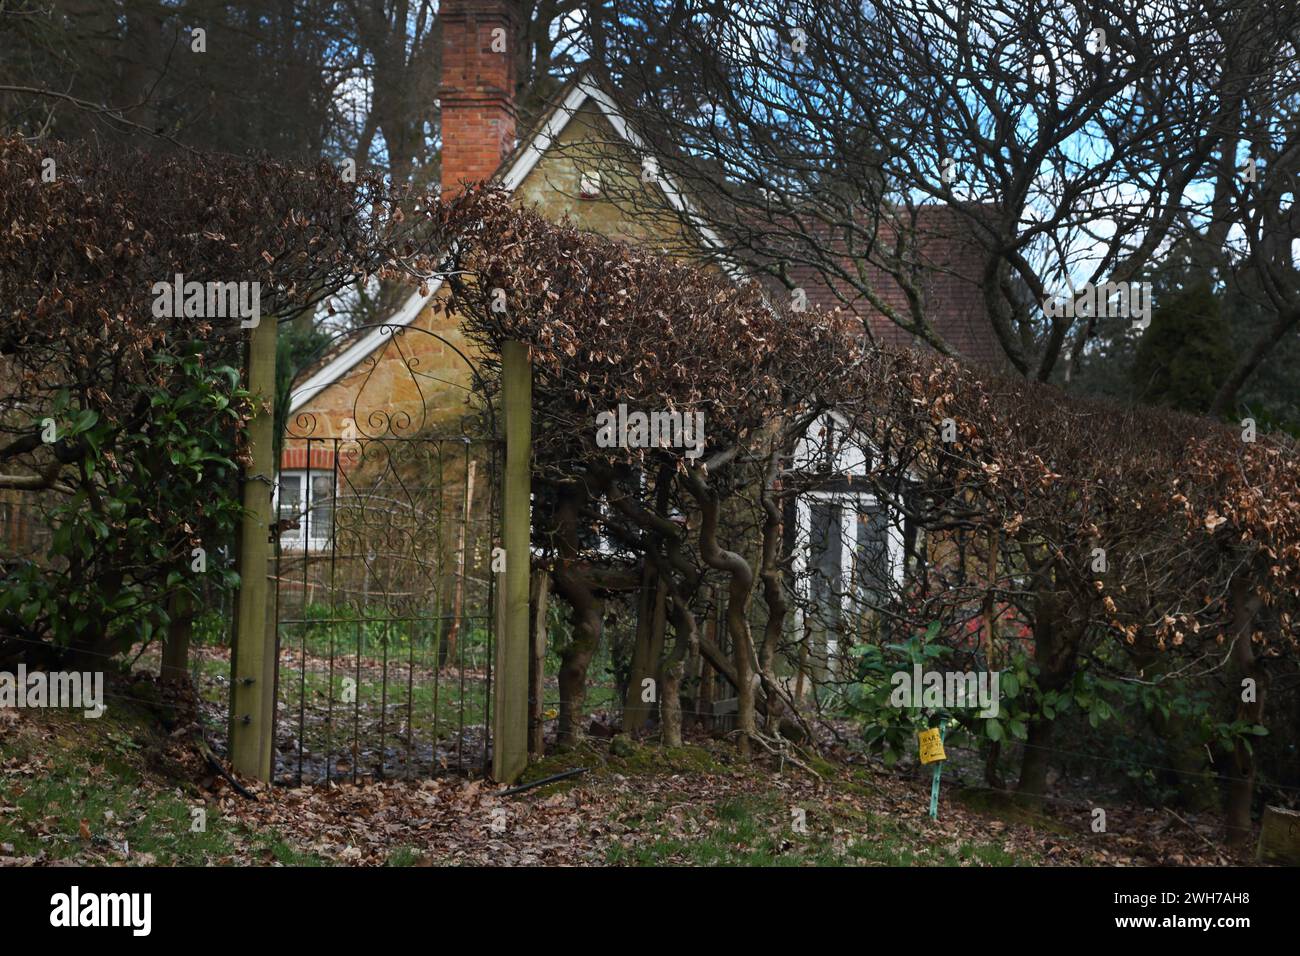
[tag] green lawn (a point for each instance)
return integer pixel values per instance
(88, 790)
(759, 830)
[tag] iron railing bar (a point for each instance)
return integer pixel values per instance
(356, 710)
(383, 704)
(462, 638)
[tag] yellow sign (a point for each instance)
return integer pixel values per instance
(931, 746)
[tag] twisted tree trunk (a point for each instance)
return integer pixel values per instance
(587, 615)
(773, 592)
(738, 591)
(685, 640)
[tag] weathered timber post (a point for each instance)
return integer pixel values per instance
(510, 713)
(252, 679)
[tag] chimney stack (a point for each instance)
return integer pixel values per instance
(477, 90)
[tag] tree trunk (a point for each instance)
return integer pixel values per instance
(647, 650)
(176, 649)
(801, 678)
(670, 704)
(773, 593)
(1246, 665)
(573, 583)
(790, 725)
(1056, 653)
(685, 642)
(1034, 764)
(738, 591)
(708, 677)
(1251, 360)
(574, 661)
(541, 589)
(992, 778)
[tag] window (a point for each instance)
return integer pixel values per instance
(848, 549)
(826, 558)
(871, 565)
(306, 523)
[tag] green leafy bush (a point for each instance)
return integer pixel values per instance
(156, 493)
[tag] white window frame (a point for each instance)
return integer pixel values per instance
(306, 537)
(855, 500)
(849, 460)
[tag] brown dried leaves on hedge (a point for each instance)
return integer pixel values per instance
(1182, 505)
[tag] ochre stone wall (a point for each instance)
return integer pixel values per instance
(588, 144)
(413, 383)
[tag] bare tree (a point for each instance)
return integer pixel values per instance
(869, 149)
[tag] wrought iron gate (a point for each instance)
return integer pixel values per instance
(384, 595)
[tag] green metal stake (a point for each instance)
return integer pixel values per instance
(938, 769)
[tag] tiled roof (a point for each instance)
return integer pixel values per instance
(949, 264)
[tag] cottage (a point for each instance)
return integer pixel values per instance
(412, 373)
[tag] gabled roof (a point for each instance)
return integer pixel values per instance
(514, 170)
(961, 321)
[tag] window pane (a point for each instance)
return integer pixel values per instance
(322, 506)
(290, 497)
(871, 554)
(825, 556)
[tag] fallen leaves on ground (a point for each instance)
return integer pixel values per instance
(655, 812)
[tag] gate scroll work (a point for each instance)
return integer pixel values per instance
(387, 506)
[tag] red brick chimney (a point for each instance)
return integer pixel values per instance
(477, 90)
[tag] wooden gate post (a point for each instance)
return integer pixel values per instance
(510, 713)
(253, 658)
